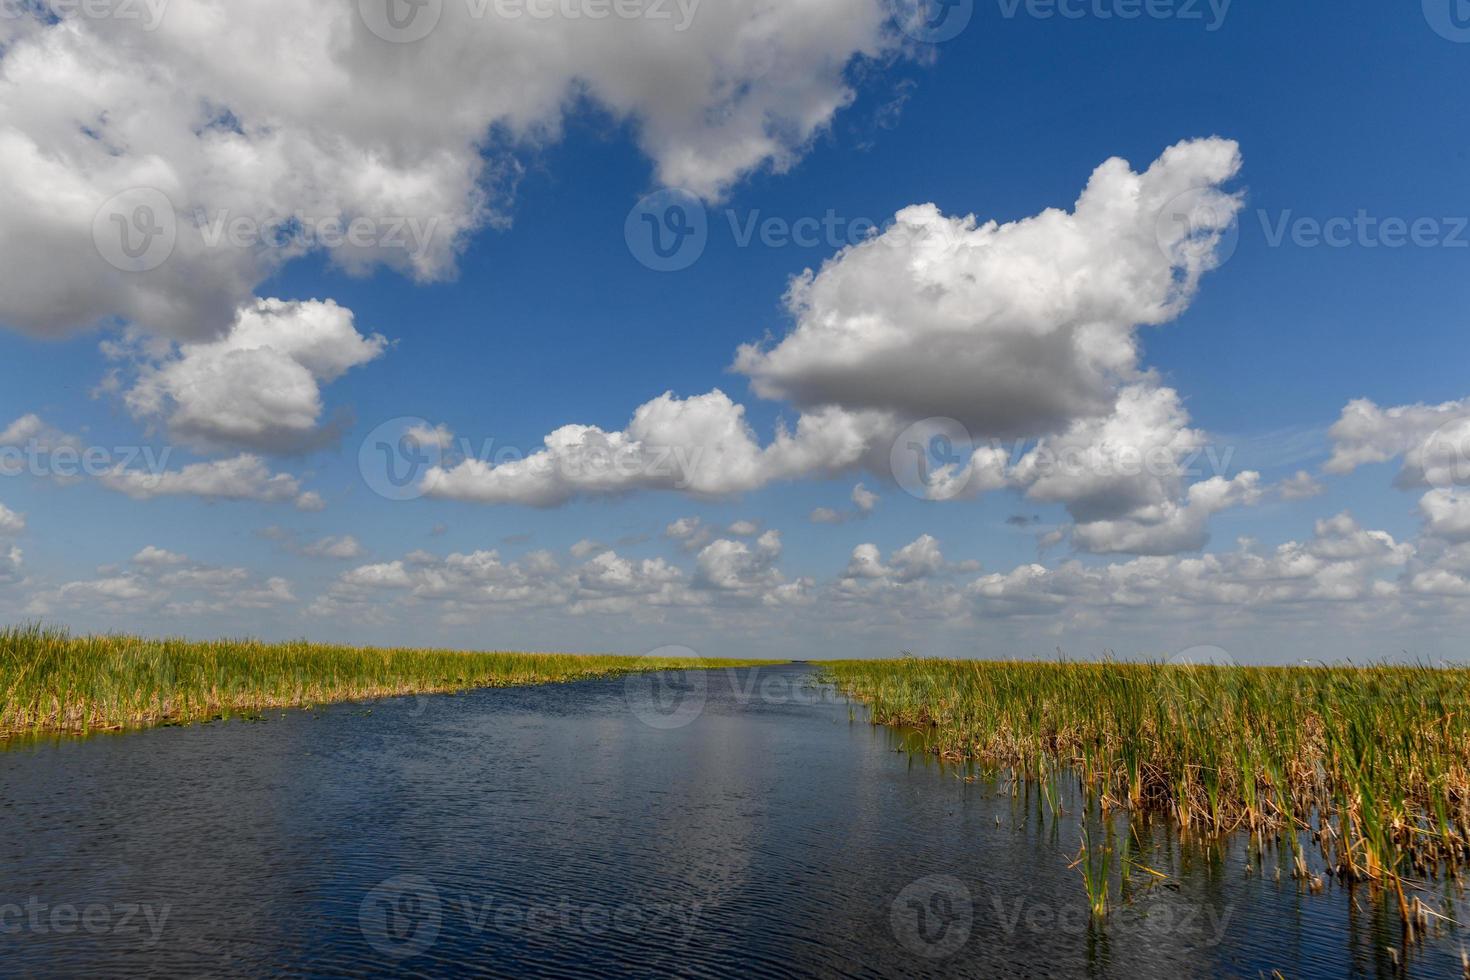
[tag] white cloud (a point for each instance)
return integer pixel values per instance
(1434, 440)
(259, 386)
(1446, 514)
(736, 567)
(586, 548)
(162, 583)
(155, 556)
(1341, 563)
(11, 560)
(1018, 329)
(343, 548)
(1014, 329)
(700, 445)
(1301, 485)
(245, 477)
(1169, 528)
(326, 121)
(10, 522)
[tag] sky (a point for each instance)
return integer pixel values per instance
(812, 328)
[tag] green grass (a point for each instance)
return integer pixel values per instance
(1371, 765)
(51, 681)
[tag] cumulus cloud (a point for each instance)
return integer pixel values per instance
(163, 583)
(1022, 329)
(863, 499)
(1170, 527)
(916, 561)
(1432, 440)
(1301, 485)
(737, 567)
(11, 523)
(155, 556)
(343, 548)
(1446, 514)
(1342, 562)
(298, 134)
(258, 386)
(1013, 329)
(245, 477)
(701, 445)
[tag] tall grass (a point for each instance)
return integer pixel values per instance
(1371, 765)
(51, 681)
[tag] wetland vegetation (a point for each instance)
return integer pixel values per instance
(52, 681)
(1357, 773)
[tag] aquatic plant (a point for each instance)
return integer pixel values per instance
(51, 681)
(1370, 765)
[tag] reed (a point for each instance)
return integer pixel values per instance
(51, 681)
(1369, 765)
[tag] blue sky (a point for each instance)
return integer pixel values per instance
(534, 312)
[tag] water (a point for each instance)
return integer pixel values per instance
(604, 828)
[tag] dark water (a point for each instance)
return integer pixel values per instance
(595, 829)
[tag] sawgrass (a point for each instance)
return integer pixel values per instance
(51, 681)
(1371, 765)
